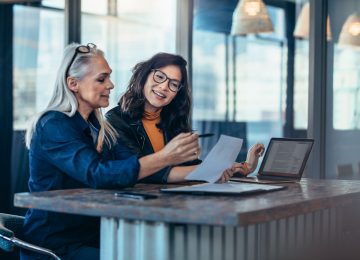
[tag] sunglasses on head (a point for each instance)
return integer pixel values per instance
(80, 49)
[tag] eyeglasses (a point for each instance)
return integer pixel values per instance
(80, 49)
(160, 77)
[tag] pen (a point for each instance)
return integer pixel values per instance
(134, 195)
(206, 135)
(129, 196)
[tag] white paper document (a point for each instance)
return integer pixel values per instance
(221, 157)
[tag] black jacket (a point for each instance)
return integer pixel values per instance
(132, 133)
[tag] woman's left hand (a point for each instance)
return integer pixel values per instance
(227, 174)
(236, 167)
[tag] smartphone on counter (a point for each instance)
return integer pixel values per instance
(134, 195)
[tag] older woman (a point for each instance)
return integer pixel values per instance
(66, 142)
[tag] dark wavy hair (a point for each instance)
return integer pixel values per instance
(174, 116)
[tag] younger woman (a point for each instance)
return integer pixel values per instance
(155, 109)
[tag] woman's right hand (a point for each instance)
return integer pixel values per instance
(182, 148)
(253, 155)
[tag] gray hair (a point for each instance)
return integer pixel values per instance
(64, 100)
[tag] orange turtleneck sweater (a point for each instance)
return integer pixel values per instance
(149, 120)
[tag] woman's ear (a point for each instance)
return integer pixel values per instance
(72, 84)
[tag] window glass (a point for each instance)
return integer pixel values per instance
(346, 108)
(38, 46)
(261, 87)
(301, 84)
(54, 3)
(139, 30)
(259, 95)
(239, 83)
(94, 6)
(209, 75)
(343, 87)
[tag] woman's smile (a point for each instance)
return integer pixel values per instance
(159, 94)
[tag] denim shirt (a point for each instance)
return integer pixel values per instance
(63, 156)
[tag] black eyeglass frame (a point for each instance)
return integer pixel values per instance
(166, 78)
(80, 49)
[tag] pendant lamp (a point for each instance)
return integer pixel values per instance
(251, 16)
(350, 32)
(302, 26)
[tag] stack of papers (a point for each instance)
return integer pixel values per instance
(224, 188)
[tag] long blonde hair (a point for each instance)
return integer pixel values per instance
(64, 100)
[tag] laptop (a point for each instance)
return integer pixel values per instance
(284, 161)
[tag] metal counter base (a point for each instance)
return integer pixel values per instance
(144, 240)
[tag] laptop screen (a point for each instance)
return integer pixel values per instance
(286, 157)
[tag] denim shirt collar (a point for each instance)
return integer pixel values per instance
(83, 124)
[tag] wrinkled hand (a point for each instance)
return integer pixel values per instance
(253, 155)
(182, 148)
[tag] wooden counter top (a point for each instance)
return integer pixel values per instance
(299, 198)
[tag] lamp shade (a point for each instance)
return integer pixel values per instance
(350, 32)
(251, 16)
(302, 27)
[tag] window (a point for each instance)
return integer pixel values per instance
(38, 46)
(238, 82)
(343, 84)
(134, 31)
(209, 76)
(54, 3)
(301, 84)
(128, 32)
(346, 109)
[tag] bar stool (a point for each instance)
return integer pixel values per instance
(10, 225)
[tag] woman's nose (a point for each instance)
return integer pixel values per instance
(164, 85)
(110, 85)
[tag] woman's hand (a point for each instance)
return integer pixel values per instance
(241, 168)
(236, 167)
(253, 155)
(227, 174)
(182, 148)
